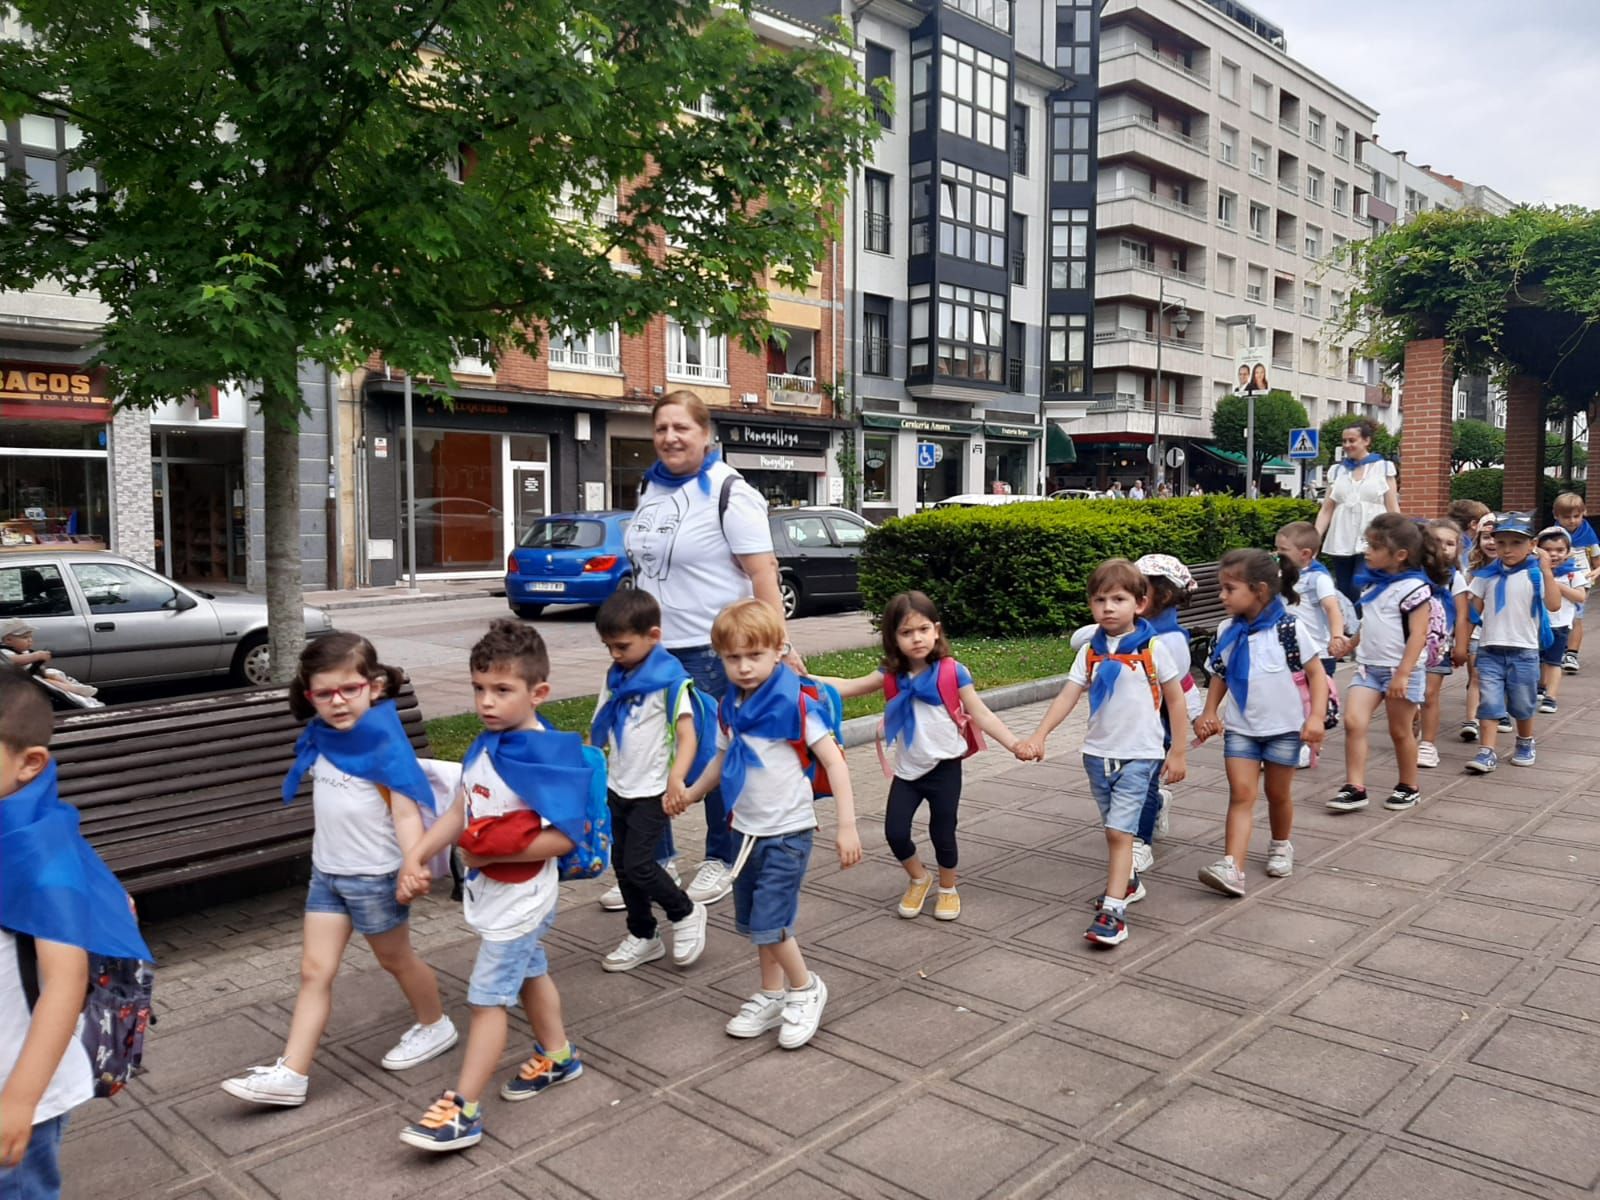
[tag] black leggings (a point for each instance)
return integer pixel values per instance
(941, 788)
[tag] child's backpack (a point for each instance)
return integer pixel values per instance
(1289, 639)
(704, 710)
(1437, 648)
(950, 695)
(823, 700)
(116, 1012)
(1144, 659)
(590, 856)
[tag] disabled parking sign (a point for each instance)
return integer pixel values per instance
(928, 456)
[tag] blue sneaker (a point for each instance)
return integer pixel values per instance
(1523, 755)
(1547, 703)
(1484, 762)
(539, 1073)
(1106, 929)
(445, 1126)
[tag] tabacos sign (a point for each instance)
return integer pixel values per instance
(51, 391)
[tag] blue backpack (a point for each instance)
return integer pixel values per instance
(823, 700)
(704, 710)
(590, 856)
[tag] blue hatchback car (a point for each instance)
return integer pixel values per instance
(568, 558)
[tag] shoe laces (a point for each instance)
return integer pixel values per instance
(537, 1067)
(442, 1112)
(710, 872)
(413, 1036)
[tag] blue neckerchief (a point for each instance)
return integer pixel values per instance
(771, 711)
(1500, 573)
(375, 748)
(900, 714)
(663, 478)
(1104, 682)
(52, 883)
(1567, 567)
(659, 672)
(1584, 535)
(1166, 621)
(1355, 464)
(1314, 566)
(1375, 583)
(1448, 601)
(547, 770)
(1237, 639)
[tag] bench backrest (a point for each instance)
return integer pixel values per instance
(1201, 616)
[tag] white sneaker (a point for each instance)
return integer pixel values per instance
(611, 900)
(1427, 754)
(633, 952)
(1163, 820)
(420, 1043)
(1143, 857)
(276, 1085)
(755, 1016)
(711, 883)
(1280, 859)
(1224, 875)
(802, 1013)
(689, 937)
(1305, 757)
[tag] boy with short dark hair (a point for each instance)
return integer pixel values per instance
(54, 890)
(509, 848)
(1568, 510)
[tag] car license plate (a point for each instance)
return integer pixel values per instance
(547, 587)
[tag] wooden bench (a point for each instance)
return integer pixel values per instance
(183, 790)
(1200, 618)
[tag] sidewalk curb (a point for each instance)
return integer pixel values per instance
(863, 731)
(404, 598)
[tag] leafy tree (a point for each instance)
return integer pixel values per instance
(1383, 441)
(1477, 444)
(284, 181)
(1276, 414)
(1554, 452)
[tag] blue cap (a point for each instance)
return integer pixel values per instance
(1515, 523)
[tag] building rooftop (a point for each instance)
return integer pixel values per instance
(1253, 21)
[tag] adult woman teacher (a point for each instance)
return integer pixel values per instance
(699, 540)
(1360, 486)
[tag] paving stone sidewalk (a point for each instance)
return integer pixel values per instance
(1415, 1013)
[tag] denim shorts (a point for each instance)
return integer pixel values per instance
(38, 1175)
(766, 893)
(1445, 667)
(502, 967)
(368, 900)
(1120, 786)
(1377, 679)
(1550, 655)
(1281, 749)
(1508, 682)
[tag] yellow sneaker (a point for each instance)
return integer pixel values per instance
(916, 893)
(947, 905)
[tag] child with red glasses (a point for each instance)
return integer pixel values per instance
(367, 793)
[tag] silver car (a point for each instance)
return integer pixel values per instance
(109, 621)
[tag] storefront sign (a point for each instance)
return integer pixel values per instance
(919, 424)
(814, 463)
(1030, 433)
(53, 392)
(772, 437)
(380, 447)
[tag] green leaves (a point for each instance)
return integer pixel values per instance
(1276, 414)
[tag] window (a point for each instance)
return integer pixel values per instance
(1228, 81)
(1313, 242)
(971, 334)
(700, 106)
(578, 205)
(1260, 97)
(1339, 243)
(877, 216)
(1341, 196)
(1070, 145)
(918, 294)
(34, 591)
(1255, 287)
(1315, 123)
(113, 588)
(990, 12)
(880, 71)
(1075, 37)
(1019, 249)
(1258, 221)
(807, 533)
(691, 215)
(1225, 268)
(875, 312)
(1016, 356)
(1258, 158)
(1228, 144)
(972, 215)
(594, 351)
(974, 93)
(921, 208)
(1067, 354)
(40, 149)
(1019, 140)
(1341, 141)
(877, 468)
(1227, 209)
(1069, 249)
(1311, 302)
(695, 354)
(921, 82)
(1314, 180)
(847, 531)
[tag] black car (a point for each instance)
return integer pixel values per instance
(817, 549)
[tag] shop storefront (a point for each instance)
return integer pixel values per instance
(786, 463)
(1010, 457)
(199, 493)
(54, 443)
(894, 482)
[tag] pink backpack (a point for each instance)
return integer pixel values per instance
(950, 693)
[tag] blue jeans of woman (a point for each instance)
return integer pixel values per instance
(1344, 575)
(705, 668)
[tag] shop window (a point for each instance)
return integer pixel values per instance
(111, 588)
(58, 498)
(972, 334)
(460, 523)
(877, 469)
(34, 591)
(944, 480)
(630, 459)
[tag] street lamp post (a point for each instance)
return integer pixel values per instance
(1180, 322)
(1248, 320)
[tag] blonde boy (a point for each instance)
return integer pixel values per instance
(1569, 514)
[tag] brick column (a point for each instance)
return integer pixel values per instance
(1427, 404)
(1524, 443)
(1594, 443)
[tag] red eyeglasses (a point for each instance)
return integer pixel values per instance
(348, 691)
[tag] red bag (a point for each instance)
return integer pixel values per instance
(491, 837)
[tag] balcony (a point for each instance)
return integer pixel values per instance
(1128, 276)
(1140, 137)
(1130, 208)
(1130, 63)
(876, 230)
(1125, 412)
(1283, 305)
(1286, 245)
(693, 372)
(1290, 186)
(794, 391)
(1135, 349)
(574, 358)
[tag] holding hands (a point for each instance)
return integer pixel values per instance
(1207, 725)
(414, 880)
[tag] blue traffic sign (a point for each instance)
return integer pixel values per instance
(1305, 443)
(927, 456)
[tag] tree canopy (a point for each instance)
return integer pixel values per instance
(1384, 442)
(1276, 414)
(1477, 444)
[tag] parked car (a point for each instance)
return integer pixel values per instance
(817, 549)
(108, 621)
(1077, 494)
(981, 500)
(568, 558)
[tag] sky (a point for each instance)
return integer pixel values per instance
(1503, 93)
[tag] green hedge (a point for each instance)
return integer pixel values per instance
(1020, 569)
(1487, 485)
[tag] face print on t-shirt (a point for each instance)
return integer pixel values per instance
(653, 532)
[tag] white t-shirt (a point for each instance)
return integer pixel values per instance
(684, 557)
(936, 737)
(1384, 629)
(777, 796)
(73, 1082)
(496, 911)
(1514, 625)
(1569, 611)
(1177, 645)
(1313, 588)
(1356, 502)
(1273, 706)
(638, 767)
(354, 833)
(1128, 724)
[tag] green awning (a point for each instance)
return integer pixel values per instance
(1059, 450)
(1273, 466)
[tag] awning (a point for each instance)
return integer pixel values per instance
(1016, 433)
(874, 420)
(1058, 448)
(1273, 466)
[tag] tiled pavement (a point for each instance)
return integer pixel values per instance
(1416, 1013)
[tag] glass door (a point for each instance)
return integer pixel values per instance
(531, 496)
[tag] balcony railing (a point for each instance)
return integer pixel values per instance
(1286, 245)
(698, 372)
(877, 232)
(1289, 126)
(1123, 333)
(1019, 160)
(1132, 402)
(574, 359)
(1194, 143)
(1188, 210)
(1283, 305)
(1286, 363)
(791, 383)
(1014, 375)
(1172, 64)
(1129, 262)
(1290, 186)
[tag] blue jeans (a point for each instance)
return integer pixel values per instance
(38, 1175)
(766, 895)
(1120, 787)
(1146, 832)
(368, 900)
(705, 668)
(1280, 749)
(501, 968)
(1508, 682)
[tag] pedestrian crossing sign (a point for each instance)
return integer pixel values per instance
(1304, 443)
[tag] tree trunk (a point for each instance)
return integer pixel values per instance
(285, 602)
(1566, 453)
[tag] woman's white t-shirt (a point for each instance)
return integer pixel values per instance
(1383, 625)
(354, 831)
(936, 738)
(1273, 706)
(73, 1081)
(1355, 503)
(496, 911)
(684, 555)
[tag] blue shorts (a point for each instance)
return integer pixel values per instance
(1508, 682)
(1445, 667)
(1377, 679)
(766, 893)
(1120, 786)
(502, 967)
(1281, 749)
(1550, 655)
(368, 900)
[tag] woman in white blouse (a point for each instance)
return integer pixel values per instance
(1360, 487)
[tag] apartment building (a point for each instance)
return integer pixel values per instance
(1230, 176)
